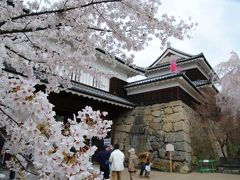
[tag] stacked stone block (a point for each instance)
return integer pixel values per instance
(152, 127)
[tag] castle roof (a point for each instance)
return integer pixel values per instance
(163, 82)
(99, 95)
(174, 54)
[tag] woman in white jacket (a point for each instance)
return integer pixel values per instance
(117, 160)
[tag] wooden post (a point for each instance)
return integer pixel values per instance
(170, 159)
(170, 149)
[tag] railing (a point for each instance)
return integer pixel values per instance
(207, 165)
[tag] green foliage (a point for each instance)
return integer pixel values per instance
(202, 145)
(233, 150)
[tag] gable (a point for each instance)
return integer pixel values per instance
(170, 54)
(169, 57)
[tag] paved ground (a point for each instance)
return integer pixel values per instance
(157, 175)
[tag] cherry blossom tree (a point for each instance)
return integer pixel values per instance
(48, 42)
(227, 79)
(57, 152)
(223, 106)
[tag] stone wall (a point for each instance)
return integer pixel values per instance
(152, 127)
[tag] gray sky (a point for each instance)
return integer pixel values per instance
(217, 33)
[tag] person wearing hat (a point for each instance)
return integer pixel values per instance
(132, 163)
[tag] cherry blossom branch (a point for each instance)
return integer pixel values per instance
(23, 57)
(99, 29)
(1, 134)
(25, 30)
(128, 30)
(27, 159)
(65, 2)
(57, 11)
(131, 7)
(9, 116)
(34, 45)
(24, 168)
(50, 12)
(113, 30)
(63, 9)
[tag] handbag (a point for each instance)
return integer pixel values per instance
(147, 167)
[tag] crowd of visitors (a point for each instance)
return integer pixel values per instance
(111, 161)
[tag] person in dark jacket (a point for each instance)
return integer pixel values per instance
(103, 159)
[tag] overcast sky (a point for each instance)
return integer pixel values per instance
(217, 33)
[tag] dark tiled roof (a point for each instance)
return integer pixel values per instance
(179, 51)
(153, 79)
(201, 82)
(91, 91)
(160, 78)
(79, 87)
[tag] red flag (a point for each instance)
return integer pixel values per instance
(173, 66)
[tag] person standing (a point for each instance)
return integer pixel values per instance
(132, 163)
(103, 159)
(145, 159)
(149, 163)
(116, 159)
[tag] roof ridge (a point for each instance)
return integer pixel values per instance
(152, 79)
(173, 49)
(86, 89)
(179, 51)
(179, 60)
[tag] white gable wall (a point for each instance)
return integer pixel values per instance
(170, 55)
(120, 71)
